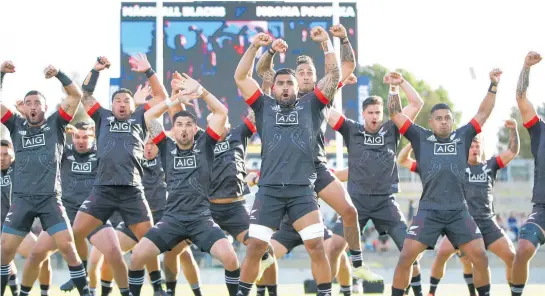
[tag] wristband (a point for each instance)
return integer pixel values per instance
(149, 72)
(327, 46)
(271, 51)
(493, 88)
(170, 103)
(394, 89)
(65, 81)
(345, 40)
(90, 81)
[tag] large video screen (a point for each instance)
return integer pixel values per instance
(207, 39)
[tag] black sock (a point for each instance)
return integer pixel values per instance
(272, 290)
(231, 279)
(155, 277)
(25, 290)
(324, 289)
(356, 258)
(171, 288)
(261, 289)
(484, 290)
(196, 289)
(105, 288)
(125, 291)
(346, 290)
(44, 289)
(136, 280)
(468, 277)
(79, 277)
(244, 289)
(516, 290)
(416, 285)
(13, 285)
(5, 270)
(433, 285)
(397, 292)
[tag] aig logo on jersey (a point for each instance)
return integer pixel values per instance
(444, 148)
(120, 127)
(81, 167)
(185, 162)
(221, 147)
(478, 178)
(291, 118)
(33, 141)
(5, 181)
(373, 140)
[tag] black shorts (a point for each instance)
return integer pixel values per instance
(457, 225)
(24, 208)
(269, 210)
(490, 230)
(288, 237)
(122, 227)
(385, 214)
(129, 201)
(170, 231)
(324, 177)
(537, 216)
(71, 212)
(232, 217)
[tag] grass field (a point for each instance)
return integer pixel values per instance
(293, 290)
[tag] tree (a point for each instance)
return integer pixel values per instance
(429, 95)
(503, 133)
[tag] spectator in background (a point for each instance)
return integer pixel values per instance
(512, 225)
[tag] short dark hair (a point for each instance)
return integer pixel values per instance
(284, 71)
(372, 100)
(121, 91)
(84, 125)
(33, 93)
(184, 114)
(440, 106)
(6, 143)
(304, 59)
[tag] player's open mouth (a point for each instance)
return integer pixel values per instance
(285, 96)
(33, 114)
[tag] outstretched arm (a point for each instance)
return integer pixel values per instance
(70, 104)
(394, 108)
(329, 83)
(487, 105)
(90, 82)
(525, 106)
(348, 59)
(5, 68)
(243, 74)
(140, 64)
(514, 143)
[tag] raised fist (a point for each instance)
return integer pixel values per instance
(511, 124)
(261, 39)
(101, 64)
(279, 45)
(139, 63)
(393, 78)
(50, 71)
(495, 76)
(352, 79)
(318, 34)
(532, 58)
(7, 67)
(338, 31)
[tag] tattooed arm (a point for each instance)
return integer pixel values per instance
(526, 108)
(514, 143)
(69, 104)
(394, 107)
(90, 82)
(264, 69)
(329, 83)
(348, 59)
